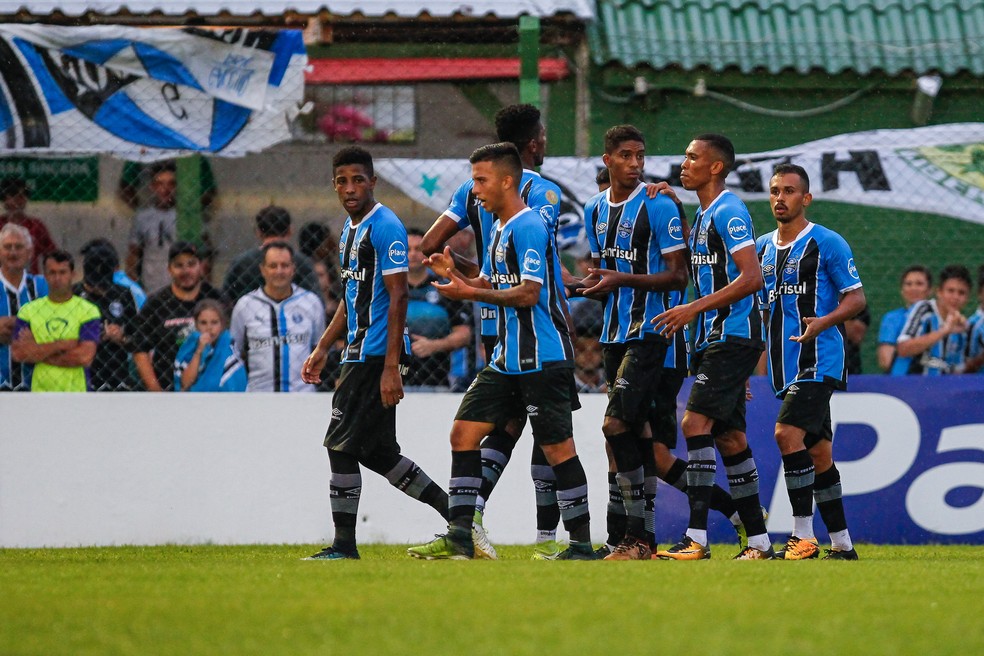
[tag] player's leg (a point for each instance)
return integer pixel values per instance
(346, 488)
(649, 487)
(743, 482)
(405, 475)
(830, 501)
(552, 393)
(547, 510)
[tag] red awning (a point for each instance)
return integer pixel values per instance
(426, 69)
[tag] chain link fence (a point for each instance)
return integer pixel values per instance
(916, 200)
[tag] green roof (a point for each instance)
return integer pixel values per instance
(921, 36)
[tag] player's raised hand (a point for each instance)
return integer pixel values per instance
(812, 330)
(441, 263)
(455, 289)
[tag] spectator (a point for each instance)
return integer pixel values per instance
(110, 370)
(243, 276)
(15, 194)
(917, 281)
(934, 334)
(135, 184)
(19, 288)
(589, 377)
(975, 330)
(119, 275)
(207, 362)
(275, 327)
(59, 332)
(855, 330)
(154, 230)
(168, 318)
(316, 242)
(437, 325)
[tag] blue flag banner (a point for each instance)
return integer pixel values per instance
(147, 93)
(911, 455)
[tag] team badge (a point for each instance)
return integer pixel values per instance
(790, 267)
(552, 197)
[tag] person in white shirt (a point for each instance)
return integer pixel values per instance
(276, 326)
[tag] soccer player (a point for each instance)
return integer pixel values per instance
(639, 257)
(275, 327)
(916, 284)
(531, 367)
(59, 332)
(18, 287)
(727, 346)
(372, 319)
(811, 288)
(935, 332)
(520, 125)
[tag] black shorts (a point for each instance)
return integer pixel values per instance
(807, 406)
(720, 373)
(663, 411)
(547, 397)
(632, 371)
(360, 425)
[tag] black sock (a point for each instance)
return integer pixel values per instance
(345, 489)
(572, 496)
(497, 448)
(830, 501)
(720, 499)
(615, 516)
(649, 488)
(466, 478)
(701, 470)
(545, 488)
(404, 474)
(631, 479)
(799, 474)
(743, 481)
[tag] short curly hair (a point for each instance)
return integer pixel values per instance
(517, 124)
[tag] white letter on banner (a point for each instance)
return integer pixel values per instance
(926, 499)
(896, 447)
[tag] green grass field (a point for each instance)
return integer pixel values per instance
(264, 600)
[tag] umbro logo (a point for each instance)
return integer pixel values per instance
(702, 378)
(532, 410)
(621, 383)
(336, 414)
(794, 388)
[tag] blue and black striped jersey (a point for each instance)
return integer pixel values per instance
(539, 194)
(367, 251)
(531, 337)
(946, 356)
(722, 229)
(17, 375)
(632, 237)
(806, 279)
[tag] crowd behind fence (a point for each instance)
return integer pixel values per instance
(167, 251)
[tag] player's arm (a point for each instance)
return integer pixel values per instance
(433, 242)
(748, 282)
(674, 278)
(315, 363)
(525, 294)
(851, 303)
(391, 384)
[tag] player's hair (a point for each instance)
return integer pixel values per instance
(20, 231)
(12, 186)
(796, 169)
(352, 155)
(723, 146)
(603, 177)
(273, 221)
(211, 304)
(502, 154)
(60, 256)
(517, 124)
(616, 135)
(917, 268)
(955, 271)
(280, 244)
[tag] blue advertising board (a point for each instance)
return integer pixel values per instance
(910, 451)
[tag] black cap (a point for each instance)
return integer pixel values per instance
(182, 248)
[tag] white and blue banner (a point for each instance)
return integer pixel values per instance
(910, 451)
(937, 169)
(147, 93)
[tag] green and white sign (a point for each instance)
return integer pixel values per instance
(61, 180)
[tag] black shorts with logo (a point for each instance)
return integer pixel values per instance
(547, 397)
(663, 411)
(360, 425)
(806, 405)
(720, 373)
(633, 371)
